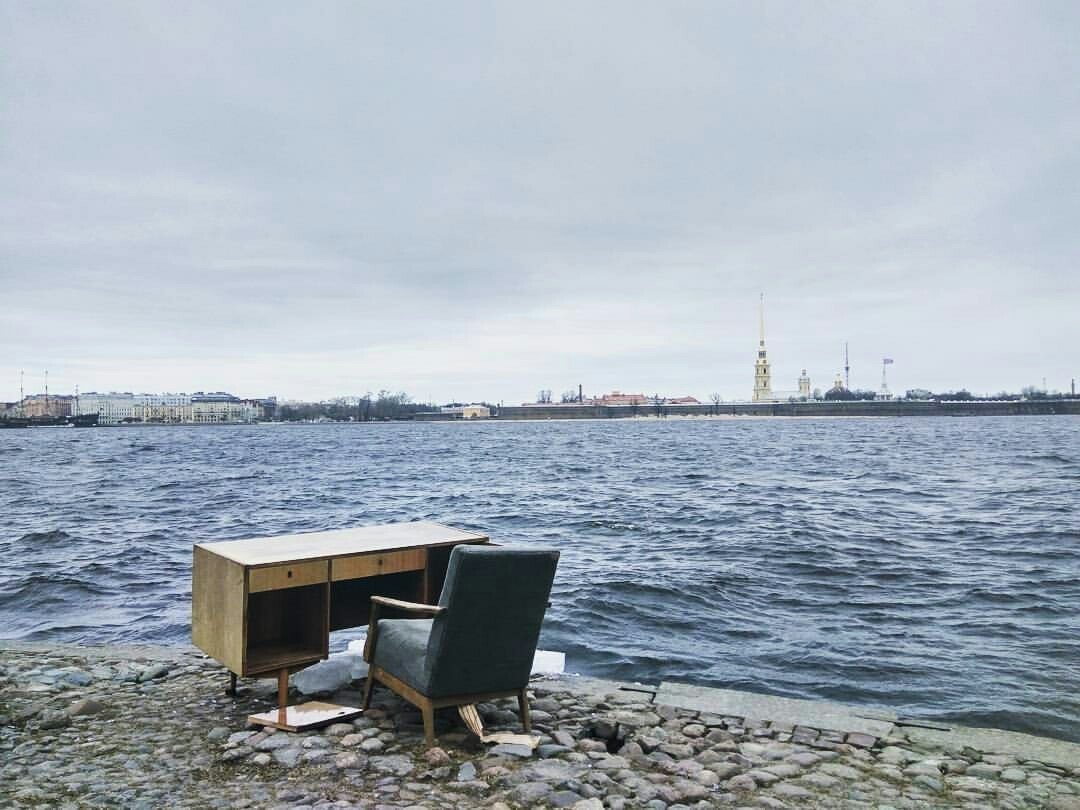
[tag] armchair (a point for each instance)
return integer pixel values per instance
(477, 644)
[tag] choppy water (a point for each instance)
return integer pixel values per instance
(929, 565)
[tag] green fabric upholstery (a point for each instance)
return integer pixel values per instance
(402, 649)
(495, 599)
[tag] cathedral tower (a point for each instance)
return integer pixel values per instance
(762, 379)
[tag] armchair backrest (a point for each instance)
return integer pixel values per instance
(495, 600)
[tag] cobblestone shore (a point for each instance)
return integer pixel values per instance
(152, 727)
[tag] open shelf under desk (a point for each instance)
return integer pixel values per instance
(270, 658)
(286, 628)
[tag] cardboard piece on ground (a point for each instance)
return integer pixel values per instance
(306, 715)
(509, 738)
(476, 726)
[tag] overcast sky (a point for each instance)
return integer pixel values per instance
(476, 201)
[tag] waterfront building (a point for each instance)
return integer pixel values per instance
(449, 413)
(266, 407)
(838, 390)
(162, 408)
(467, 411)
(763, 391)
(119, 408)
(636, 403)
(219, 407)
(786, 396)
(762, 377)
(804, 385)
(619, 398)
(42, 405)
(111, 409)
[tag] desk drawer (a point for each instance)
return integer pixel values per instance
(371, 565)
(277, 577)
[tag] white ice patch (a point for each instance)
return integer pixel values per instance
(548, 662)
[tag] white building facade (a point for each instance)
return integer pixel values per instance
(163, 408)
(170, 409)
(210, 409)
(111, 409)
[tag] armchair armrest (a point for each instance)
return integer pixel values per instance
(396, 604)
(400, 604)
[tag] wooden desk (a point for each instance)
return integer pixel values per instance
(267, 605)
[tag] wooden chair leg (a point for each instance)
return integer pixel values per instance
(523, 705)
(428, 711)
(367, 691)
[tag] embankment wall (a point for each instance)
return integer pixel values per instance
(1040, 407)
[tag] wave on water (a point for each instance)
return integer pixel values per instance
(55, 538)
(39, 592)
(1055, 458)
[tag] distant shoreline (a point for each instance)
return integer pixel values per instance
(731, 411)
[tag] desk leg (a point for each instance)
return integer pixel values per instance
(283, 695)
(304, 715)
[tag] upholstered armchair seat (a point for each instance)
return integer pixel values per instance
(402, 649)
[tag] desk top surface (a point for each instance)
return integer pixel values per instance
(289, 548)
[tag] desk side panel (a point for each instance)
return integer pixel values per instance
(217, 608)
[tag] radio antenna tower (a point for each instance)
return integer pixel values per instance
(847, 369)
(885, 363)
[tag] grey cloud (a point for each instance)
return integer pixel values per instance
(485, 199)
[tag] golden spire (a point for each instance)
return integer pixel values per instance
(762, 337)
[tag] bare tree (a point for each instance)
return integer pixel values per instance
(658, 404)
(544, 397)
(569, 396)
(716, 400)
(389, 405)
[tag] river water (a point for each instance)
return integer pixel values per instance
(927, 565)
